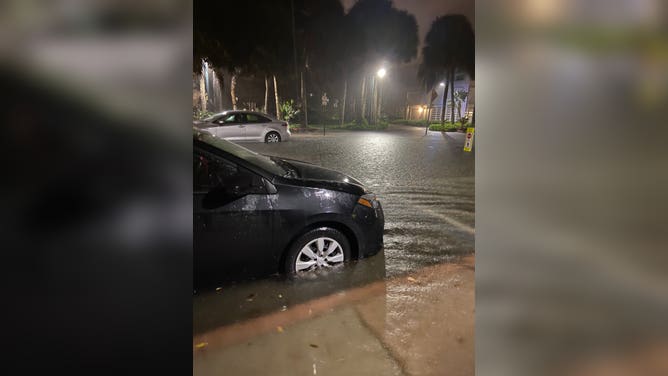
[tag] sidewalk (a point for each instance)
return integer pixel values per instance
(421, 324)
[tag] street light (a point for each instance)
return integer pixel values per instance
(442, 83)
(381, 72)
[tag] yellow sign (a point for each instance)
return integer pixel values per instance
(469, 139)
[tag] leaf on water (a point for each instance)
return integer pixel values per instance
(279, 329)
(201, 345)
(313, 345)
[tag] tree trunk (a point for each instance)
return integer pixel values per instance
(278, 109)
(452, 96)
(304, 101)
(459, 107)
(363, 99)
(374, 99)
(380, 99)
(266, 94)
(443, 102)
(219, 88)
(343, 104)
(233, 91)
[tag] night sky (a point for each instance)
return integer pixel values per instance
(425, 11)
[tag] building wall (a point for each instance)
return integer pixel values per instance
(420, 111)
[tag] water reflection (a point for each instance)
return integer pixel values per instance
(416, 324)
(215, 306)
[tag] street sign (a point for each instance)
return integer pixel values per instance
(324, 99)
(469, 139)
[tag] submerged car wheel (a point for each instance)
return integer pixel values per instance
(272, 137)
(321, 248)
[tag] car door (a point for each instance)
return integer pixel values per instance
(255, 125)
(230, 127)
(233, 220)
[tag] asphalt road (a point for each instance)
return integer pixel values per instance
(426, 186)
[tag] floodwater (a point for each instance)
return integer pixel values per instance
(426, 186)
(425, 183)
(383, 303)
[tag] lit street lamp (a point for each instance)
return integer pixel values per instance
(381, 72)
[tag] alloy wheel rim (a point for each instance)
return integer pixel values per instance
(319, 253)
(272, 138)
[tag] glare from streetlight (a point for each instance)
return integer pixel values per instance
(442, 83)
(381, 72)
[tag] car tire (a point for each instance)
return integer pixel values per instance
(319, 241)
(272, 137)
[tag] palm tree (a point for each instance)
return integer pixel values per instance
(241, 50)
(379, 33)
(448, 46)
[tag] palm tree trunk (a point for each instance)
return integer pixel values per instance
(202, 93)
(266, 93)
(343, 104)
(363, 99)
(304, 101)
(443, 102)
(380, 100)
(233, 91)
(278, 110)
(374, 99)
(452, 96)
(219, 92)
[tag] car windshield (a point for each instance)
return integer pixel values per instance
(272, 165)
(212, 117)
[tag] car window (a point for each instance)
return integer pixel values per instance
(259, 160)
(252, 118)
(211, 172)
(232, 118)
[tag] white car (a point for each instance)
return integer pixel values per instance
(245, 126)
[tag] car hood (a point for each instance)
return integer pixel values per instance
(319, 177)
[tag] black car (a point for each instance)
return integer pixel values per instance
(257, 215)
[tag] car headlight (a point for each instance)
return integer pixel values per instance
(368, 200)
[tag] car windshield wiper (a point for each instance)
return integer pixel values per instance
(290, 170)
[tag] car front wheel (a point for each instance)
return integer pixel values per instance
(272, 137)
(321, 248)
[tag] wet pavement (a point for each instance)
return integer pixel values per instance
(407, 310)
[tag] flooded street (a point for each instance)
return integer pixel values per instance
(407, 310)
(425, 183)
